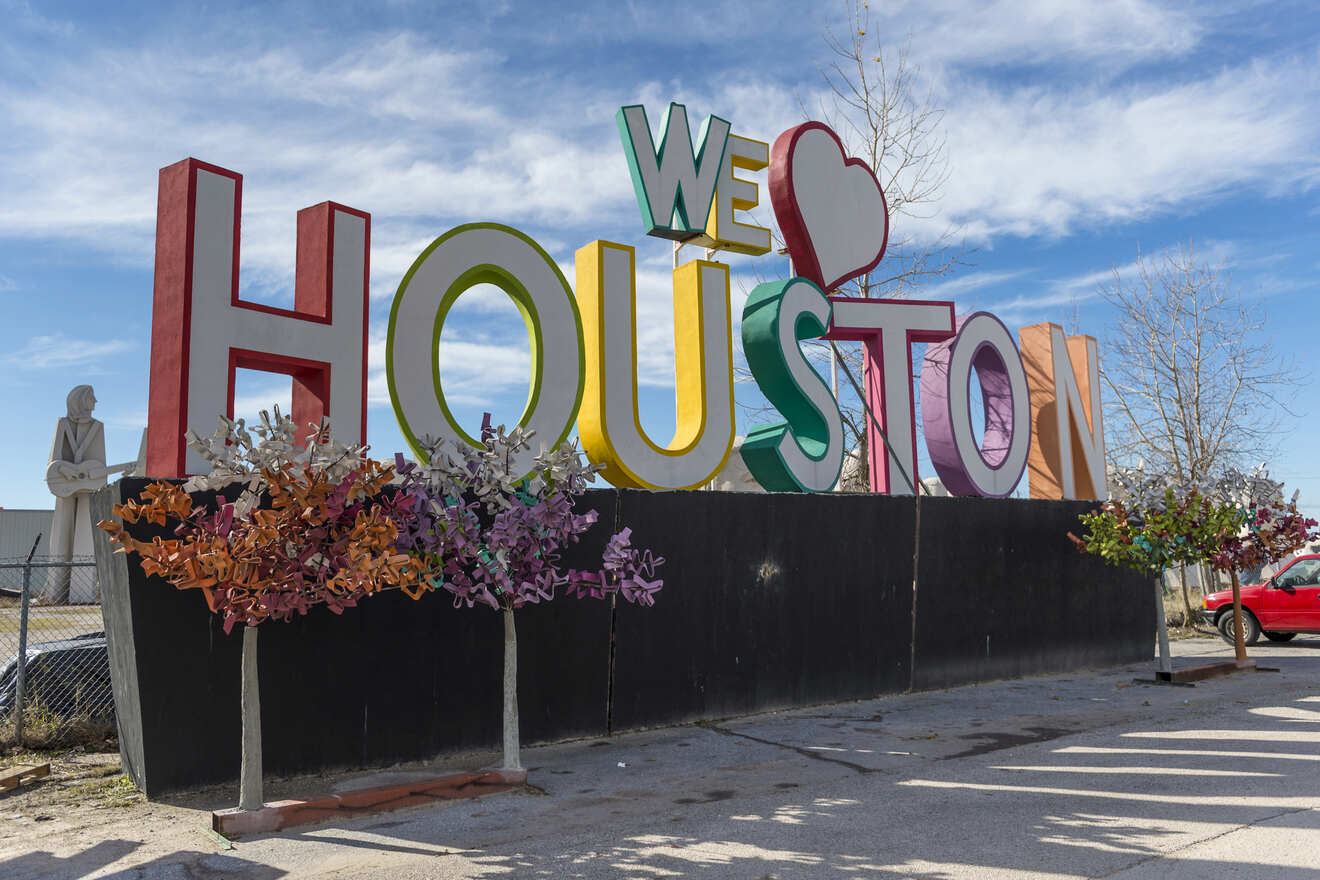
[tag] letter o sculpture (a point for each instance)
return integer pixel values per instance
(485, 253)
(994, 467)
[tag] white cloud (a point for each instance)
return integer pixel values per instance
(1041, 161)
(425, 135)
(1035, 32)
(59, 351)
(255, 391)
(20, 15)
(970, 283)
(1066, 148)
(474, 370)
(1047, 297)
(135, 419)
(7, 284)
(422, 137)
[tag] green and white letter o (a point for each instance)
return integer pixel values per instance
(484, 253)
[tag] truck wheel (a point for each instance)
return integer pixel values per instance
(1277, 636)
(1250, 627)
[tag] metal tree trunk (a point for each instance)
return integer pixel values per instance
(1161, 627)
(249, 785)
(512, 760)
(1239, 647)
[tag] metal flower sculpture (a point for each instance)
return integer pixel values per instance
(1256, 536)
(492, 537)
(1236, 521)
(326, 536)
(320, 541)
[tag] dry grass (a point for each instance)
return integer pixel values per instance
(78, 777)
(44, 731)
(1175, 615)
(107, 787)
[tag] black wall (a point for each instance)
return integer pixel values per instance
(770, 601)
(1004, 594)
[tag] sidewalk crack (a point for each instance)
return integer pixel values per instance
(1157, 856)
(801, 750)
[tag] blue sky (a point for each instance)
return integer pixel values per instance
(1076, 133)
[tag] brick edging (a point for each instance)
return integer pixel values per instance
(278, 815)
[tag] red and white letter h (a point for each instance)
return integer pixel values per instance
(201, 332)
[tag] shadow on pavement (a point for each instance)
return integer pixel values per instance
(34, 865)
(1226, 788)
(1150, 801)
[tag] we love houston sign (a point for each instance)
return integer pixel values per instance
(1041, 401)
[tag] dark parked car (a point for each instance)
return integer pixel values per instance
(1280, 608)
(66, 678)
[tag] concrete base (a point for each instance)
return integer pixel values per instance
(286, 814)
(1207, 670)
(1184, 677)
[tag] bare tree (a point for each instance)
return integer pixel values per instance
(1193, 386)
(875, 102)
(1072, 319)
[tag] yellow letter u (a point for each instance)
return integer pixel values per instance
(608, 422)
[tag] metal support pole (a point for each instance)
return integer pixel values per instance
(915, 486)
(20, 681)
(916, 561)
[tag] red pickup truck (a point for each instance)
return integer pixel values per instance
(1280, 608)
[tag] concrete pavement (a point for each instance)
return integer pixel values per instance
(1082, 775)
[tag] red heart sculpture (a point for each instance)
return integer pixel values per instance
(830, 207)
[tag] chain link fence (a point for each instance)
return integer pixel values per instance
(55, 682)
